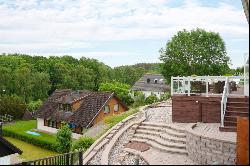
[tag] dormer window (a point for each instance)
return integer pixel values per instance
(64, 107)
(148, 80)
(156, 81)
(161, 81)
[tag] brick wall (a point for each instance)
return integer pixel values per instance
(191, 109)
(210, 151)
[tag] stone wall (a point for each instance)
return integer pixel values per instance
(207, 150)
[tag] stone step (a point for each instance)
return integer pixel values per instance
(239, 109)
(162, 135)
(238, 104)
(165, 130)
(161, 141)
(237, 113)
(230, 123)
(228, 129)
(160, 147)
(163, 125)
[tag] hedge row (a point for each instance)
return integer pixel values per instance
(45, 144)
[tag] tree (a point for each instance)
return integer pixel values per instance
(12, 105)
(195, 52)
(120, 89)
(64, 140)
(34, 105)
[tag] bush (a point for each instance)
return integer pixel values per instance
(151, 99)
(139, 99)
(12, 105)
(165, 96)
(82, 144)
(64, 140)
(45, 144)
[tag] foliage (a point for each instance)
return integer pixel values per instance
(139, 99)
(195, 52)
(37, 152)
(64, 140)
(82, 144)
(120, 89)
(165, 96)
(34, 105)
(151, 99)
(18, 131)
(115, 119)
(12, 105)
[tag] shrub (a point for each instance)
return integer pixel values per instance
(46, 144)
(64, 140)
(165, 96)
(151, 99)
(82, 144)
(139, 99)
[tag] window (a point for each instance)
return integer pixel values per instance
(156, 81)
(148, 80)
(46, 123)
(53, 124)
(116, 107)
(50, 123)
(106, 109)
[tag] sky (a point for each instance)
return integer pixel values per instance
(117, 32)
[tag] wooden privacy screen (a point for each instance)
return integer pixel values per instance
(242, 141)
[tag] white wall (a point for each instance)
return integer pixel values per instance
(41, 127)
(5, 160)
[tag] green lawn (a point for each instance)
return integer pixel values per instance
(21, 127)
(18, 131)
(30, 152)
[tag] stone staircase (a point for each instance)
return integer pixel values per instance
(235, 107)
(164, 137)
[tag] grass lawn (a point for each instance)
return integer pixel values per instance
(21, 127)
(30, 152)
(115, 119)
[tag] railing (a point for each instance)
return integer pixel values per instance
(224, 101)
(75, 158)
(185, 85)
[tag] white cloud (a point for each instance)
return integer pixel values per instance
(61, 25)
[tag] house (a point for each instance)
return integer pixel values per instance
(79, 109)
(151, 84)
(8, 151)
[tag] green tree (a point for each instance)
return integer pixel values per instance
(34, 105)
(120, 89)
(12, 105)
(194, 52)
(64, 140)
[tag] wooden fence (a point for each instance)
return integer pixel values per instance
(74, 158)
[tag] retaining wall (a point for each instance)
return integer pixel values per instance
(208, 150)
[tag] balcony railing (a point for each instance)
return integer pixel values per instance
(207, 85)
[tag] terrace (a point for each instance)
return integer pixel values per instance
(211, 99)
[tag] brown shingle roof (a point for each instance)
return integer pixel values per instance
(92, 102)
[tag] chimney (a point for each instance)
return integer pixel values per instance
(1, 129)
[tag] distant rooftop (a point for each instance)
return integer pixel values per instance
(151, 82)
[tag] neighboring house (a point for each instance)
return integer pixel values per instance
(8, 152)
(80, 109)
(151, 84)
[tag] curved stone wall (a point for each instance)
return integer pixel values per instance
(210, 150)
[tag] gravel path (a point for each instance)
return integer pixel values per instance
(162, 114)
